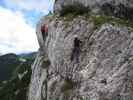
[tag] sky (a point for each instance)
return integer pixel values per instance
(18, 20)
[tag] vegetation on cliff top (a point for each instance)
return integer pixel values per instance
(72, 11)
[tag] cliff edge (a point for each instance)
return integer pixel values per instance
(85, 56)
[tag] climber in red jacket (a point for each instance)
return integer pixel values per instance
(44, 30)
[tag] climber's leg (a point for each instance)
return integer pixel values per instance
(44, 34)
(72, 55)
(77, 53)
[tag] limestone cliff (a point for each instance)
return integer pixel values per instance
(83, 57)
(118, 8)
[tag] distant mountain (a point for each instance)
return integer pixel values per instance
(17, 73)
(28, 55)
(16, 88)
(9, 62)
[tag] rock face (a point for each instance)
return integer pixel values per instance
(118, 8)
(59, 4)
(79, 61)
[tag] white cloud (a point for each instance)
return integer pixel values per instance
(36, 5)
(15, 34)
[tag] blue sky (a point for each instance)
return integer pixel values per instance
(18, 19)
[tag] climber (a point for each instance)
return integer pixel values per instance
(44, 30)
(76, 50)
(104, 81)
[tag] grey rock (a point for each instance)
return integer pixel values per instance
(118, 8)
(104, 70)
(98, 66)
(95, 3)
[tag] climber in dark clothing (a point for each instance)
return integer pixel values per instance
(44, 30)
(104, 81)
(76, 50)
